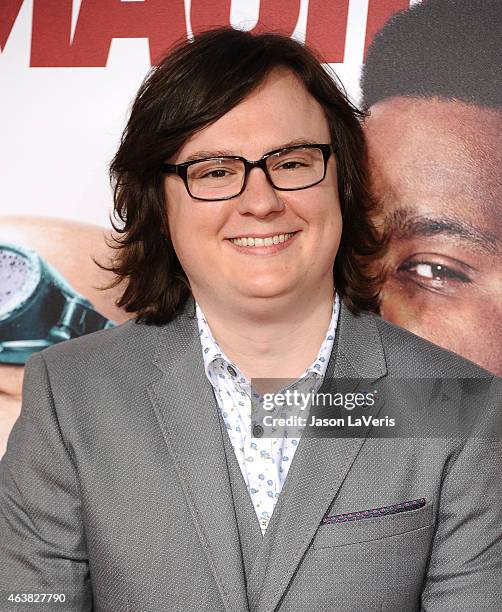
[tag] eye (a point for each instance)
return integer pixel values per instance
(214, 170)
(290, 165)
(215, 174)
(297, 159)
(435, 272)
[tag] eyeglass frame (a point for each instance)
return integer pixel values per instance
(182, 169)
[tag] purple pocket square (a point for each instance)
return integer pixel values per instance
(375, 512)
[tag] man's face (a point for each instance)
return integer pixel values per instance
(279, 113)
(436, 167)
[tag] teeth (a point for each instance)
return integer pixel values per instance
(261, 242)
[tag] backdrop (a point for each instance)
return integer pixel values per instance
(428, 73)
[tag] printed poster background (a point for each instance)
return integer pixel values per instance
(70, 69)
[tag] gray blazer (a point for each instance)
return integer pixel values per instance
(115, 489)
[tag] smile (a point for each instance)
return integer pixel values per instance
(252, 241)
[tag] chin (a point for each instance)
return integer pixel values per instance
(265, 290)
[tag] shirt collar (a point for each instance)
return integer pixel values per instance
(211, 352)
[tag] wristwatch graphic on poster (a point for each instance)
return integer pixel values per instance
(38, 307)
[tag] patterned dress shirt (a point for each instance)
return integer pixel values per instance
(264, 462)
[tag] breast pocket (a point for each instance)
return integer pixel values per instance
(377, 528)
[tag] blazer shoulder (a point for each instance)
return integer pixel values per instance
(407, 354)
(98, 349)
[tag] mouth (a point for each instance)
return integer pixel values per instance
(260, 241)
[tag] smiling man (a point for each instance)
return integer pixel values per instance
(432, 85)
(237, 236)
(137, 477)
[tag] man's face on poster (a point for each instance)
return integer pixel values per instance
(436, 167)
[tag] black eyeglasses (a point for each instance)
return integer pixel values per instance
(223, 178)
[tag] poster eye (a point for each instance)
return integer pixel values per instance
(433, 273)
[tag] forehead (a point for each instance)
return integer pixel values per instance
(436, 158)
(435, 154)
(279, 111)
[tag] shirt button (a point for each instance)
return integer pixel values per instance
(257, 431)
(231, 371)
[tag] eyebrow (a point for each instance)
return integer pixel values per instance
(204, 154)
(403, 225)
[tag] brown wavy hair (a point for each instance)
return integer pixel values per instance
(194, 85)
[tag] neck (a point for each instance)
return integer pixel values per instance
(271, 338)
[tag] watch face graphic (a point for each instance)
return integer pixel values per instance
(19, 277)
(38, 306)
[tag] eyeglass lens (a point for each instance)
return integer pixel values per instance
(224, 177)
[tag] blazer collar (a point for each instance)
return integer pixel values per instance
(187, 412)
(358, 348)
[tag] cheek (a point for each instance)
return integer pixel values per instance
(323, 211)
(399, 306)
(326, 239)
(195, 227)
(181, 225)
(435, 317)
(330, 222)
(186, 219)
(462, 331)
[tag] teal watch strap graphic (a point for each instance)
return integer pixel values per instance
(38, 307)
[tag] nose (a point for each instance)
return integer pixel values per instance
(259, 197)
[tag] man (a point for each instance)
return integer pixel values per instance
(432, 86)
(134, 479)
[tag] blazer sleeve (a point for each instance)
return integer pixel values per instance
(465, 567)
(42, 541)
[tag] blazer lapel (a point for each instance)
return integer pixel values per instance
(319, 468)
(186, 409)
